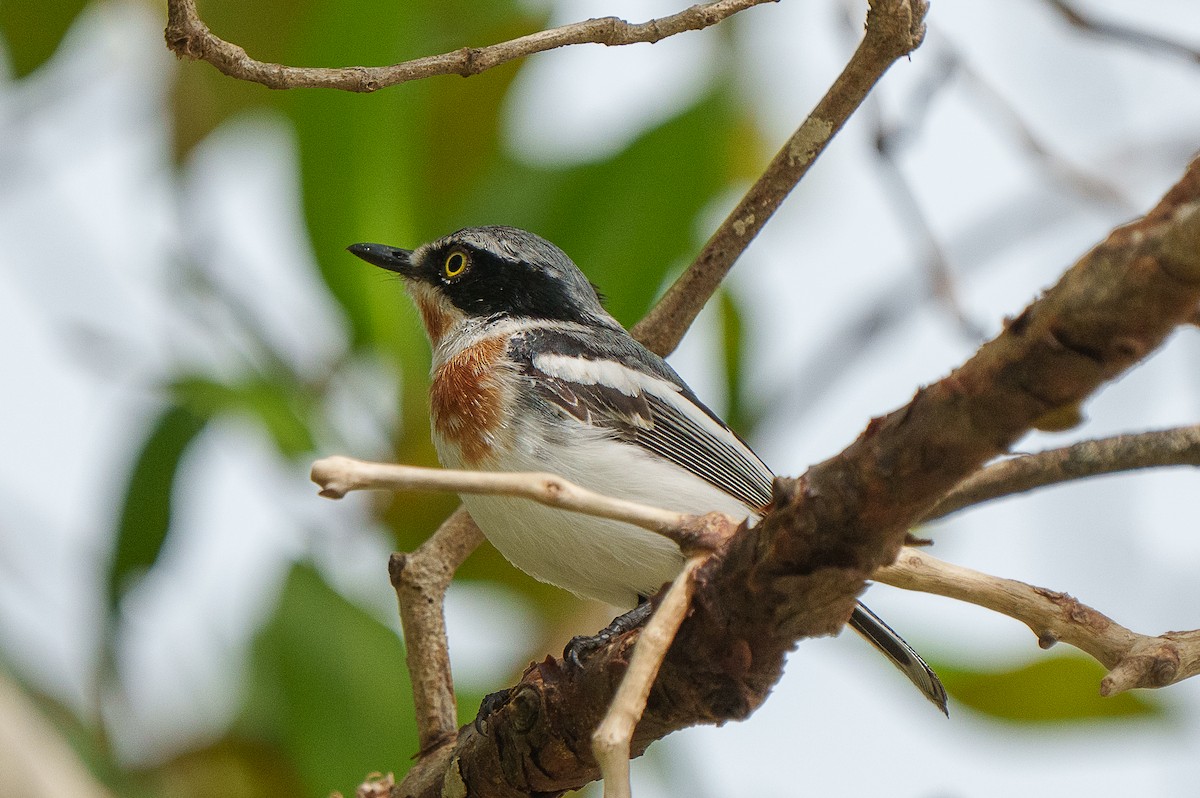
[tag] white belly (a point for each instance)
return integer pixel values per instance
(592, 557)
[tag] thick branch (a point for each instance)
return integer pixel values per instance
(189, 37)
(894, 29)
(1133, 660)
(1180, 446)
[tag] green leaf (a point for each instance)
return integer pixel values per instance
(1060, 689)
(146, 510)
(330, 686)
(33, 29)
(733, 343)
(277, 405)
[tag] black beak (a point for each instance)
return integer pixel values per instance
(383, 256)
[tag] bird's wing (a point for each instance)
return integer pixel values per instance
(606, 380)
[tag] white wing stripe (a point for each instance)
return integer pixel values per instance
(630, 382)
(608, 373)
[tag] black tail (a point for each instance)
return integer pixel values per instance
(901, 654)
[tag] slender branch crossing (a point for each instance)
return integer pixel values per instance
(1169, 447)
(188, 37)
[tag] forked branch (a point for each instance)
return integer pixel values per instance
(1133, 660)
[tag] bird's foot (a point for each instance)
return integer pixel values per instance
(582, 646)
(491, 702)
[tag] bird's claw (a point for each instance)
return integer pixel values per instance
(490, 704)
(582, 646)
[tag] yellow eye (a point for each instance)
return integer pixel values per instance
(456, 263)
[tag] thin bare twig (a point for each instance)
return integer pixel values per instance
(612, 738)
(890, 139)
(339, 475)
(420, 580)
(894, 29)
(189, 37)
(905, 204)
(1133, 660)
(1150, 42)
(851, 336)
(1093, 187)
(1179, 446)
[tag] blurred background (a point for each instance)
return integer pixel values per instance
(181, 615)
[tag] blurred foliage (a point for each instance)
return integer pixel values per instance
(32, 31)
(281, 406)
(233, 767)
(88, 741)
(327, 699)
(329, 688)
(1059, 689)
(733, 334)
(146, 511)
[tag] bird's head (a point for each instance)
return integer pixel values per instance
(490, 272)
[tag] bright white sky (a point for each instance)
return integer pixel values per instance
(90, 221)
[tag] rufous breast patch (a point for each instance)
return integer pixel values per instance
(467, 399)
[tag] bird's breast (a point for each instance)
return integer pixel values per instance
(469, 400)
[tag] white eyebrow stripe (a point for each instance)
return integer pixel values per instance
(608, 373)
